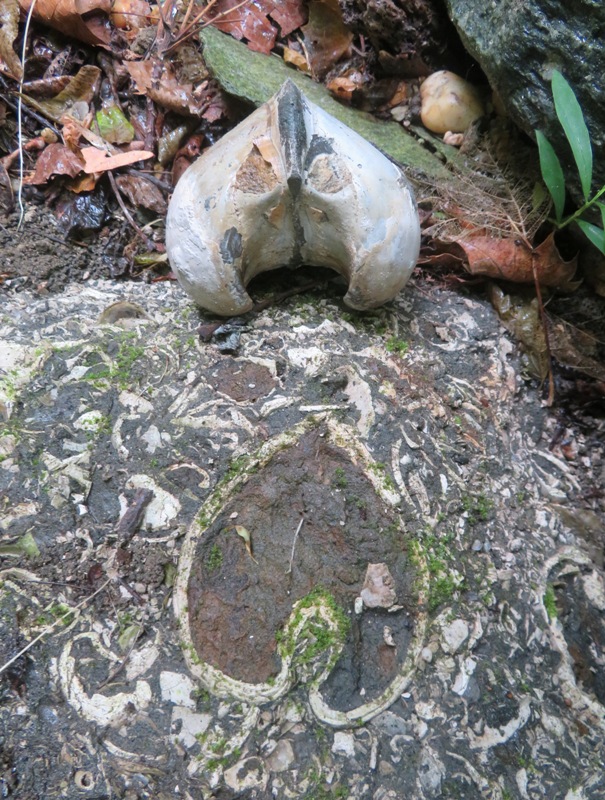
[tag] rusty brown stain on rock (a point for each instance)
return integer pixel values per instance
(242, 381)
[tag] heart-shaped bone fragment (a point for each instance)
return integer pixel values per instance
(291, 185)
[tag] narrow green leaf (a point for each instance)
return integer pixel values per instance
(594, 233)
(602, 207)
(552, 174)
(571, 118)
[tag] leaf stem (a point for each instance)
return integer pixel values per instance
(573, 217)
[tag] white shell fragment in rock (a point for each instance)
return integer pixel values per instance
(291, 185)
(378, 587)
(449, 103)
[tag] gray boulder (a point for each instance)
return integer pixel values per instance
(519, 44)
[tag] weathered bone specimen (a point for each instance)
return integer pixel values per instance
(291, 185)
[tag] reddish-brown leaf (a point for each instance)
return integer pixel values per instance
(142, 192)
(289, 14)
(248, 22)
(326, 37)
(157, 81)
(512, 259)
(67, 16)
(56, 159)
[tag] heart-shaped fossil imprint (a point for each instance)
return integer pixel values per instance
(272, 582)
(291, 185)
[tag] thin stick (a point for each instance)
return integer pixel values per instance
(300, 524)
(148, 243)
(19, 117)
(49, 628)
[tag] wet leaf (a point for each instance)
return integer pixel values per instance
(248, 22)
(552, 172)
(326, 37)
(575, 349)
(9, 28)
(521, 316)
(511, 259)
(25, 546)
(85, 20)
(113, 125)
(80, 90)
(129, 636)
(100, 161)
(289, 14)
(142, 192)
(594, 233)
(131, 15)
(56, 159)
(158, 81)
(571, 118)
(243, 532)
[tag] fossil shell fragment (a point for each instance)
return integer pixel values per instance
(291, 185)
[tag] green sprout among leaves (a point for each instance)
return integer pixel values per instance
(569, 114)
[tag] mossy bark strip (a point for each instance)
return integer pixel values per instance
(254, 77)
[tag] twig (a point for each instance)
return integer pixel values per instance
(49, 628)
(551, 382)
(126, 212)
(300, 524)
(19, 117)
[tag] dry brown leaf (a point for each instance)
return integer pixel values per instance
(79, 92)
(511, 259)
(67, 16)
(142, 192)
(131, 15)
(297, 59)
(157, 81)
(100, 160)
(325, 35)
(344, 86)
(9, 28)
(56, 159)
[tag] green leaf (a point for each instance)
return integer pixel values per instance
(594, 233)
(113, 125)
(552, 174)
(602, 207)
(571, 118)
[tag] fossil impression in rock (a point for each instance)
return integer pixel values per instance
(291, 185)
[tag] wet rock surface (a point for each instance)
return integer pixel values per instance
(416, 411)
(519, 44)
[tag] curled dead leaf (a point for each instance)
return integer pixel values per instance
(512, 259)
(244, 533)
(9, 28)
(158, 81)
(85, 20)
(131, 15)
(56, 159)
(142, 192)
(79, 92)
(245, 21)
(326, 37)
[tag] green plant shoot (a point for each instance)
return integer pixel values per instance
(569, 114)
